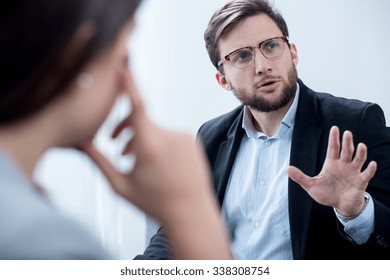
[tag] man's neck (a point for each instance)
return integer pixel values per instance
(269, 122)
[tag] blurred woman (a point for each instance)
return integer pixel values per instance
(63, 63)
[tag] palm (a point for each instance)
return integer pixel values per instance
(341, 182)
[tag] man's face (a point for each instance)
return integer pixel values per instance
(265, 85)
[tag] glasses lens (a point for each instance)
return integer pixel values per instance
(242, 58)
(272, 47)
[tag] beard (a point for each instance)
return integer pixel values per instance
(262, 104)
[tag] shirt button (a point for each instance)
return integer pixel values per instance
(262, 183)
(267, 143)
(381, 241)
(257, 224)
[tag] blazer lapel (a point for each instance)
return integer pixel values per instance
(304, 150)
(226, 155)
(306, 136)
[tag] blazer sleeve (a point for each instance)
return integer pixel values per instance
(158, 248)
(374, 133)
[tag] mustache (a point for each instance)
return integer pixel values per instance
(267, 79)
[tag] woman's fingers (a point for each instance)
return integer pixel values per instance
(121, 183)
(137, 105)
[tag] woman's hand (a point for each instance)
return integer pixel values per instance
(170, 181)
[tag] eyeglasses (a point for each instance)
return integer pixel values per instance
(241, 58)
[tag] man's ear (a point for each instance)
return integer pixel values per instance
(222, 81)
(294, 54)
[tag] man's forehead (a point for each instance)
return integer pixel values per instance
(248, 32)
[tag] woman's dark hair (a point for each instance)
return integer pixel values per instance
(37, 57)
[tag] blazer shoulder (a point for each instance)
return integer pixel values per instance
(325, 110)
(220, 125)
(341, 105)
(350, 112)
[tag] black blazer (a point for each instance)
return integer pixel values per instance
(315, 230)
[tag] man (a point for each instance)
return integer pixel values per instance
(336, 204)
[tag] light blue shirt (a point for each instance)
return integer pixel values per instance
(255, 206)
(32, 228)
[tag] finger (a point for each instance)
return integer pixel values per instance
(143, 127)
(137, 105)
(137, 108)
(125, 123)
(333, 151)
(347, 147)
(367, 174)
(129, 148)
(113, 176)
(300, 178)
(360, 156)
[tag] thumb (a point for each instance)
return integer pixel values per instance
(118, 181)
(300, 178)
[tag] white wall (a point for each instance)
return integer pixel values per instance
(343, 46)
(343, 49)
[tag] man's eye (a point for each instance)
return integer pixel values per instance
(242, 56)
(269, 46)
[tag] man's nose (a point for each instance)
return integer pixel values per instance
(262, 64)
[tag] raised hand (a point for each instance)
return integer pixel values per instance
(342, 182)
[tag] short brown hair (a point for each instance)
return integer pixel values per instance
(229, 15)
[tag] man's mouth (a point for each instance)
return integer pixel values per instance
(268, 84)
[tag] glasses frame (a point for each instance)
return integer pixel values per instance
(227, 57)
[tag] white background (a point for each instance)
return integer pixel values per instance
(343, 48)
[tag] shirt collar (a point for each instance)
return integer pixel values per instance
(287, 121)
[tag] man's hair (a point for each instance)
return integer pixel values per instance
(229, 15)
